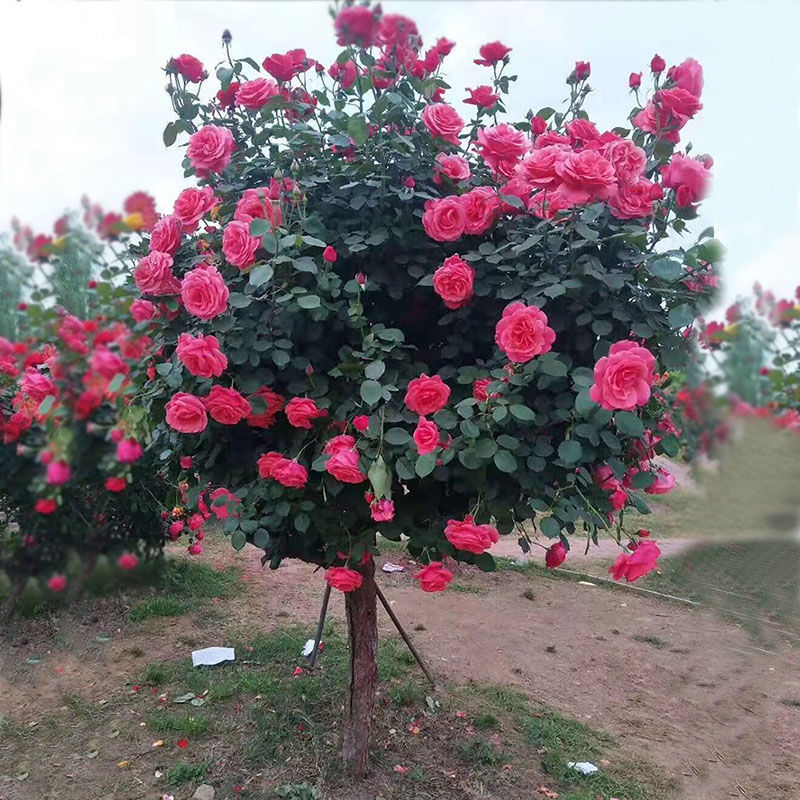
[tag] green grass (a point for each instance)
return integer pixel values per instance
(185, 772)
(467, 588)
(157, 607)
(188, 723)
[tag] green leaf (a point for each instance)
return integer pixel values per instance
(312, 241)
(485, 563)
(397, 436)
(258, 226)
(570, 451)
(239, 300)
(238, 540)
(550, 527)
(425, 465)
(375, 370)
(553, 367)
(470, 429)
(584, 404)
(486, 448)
(642, 480)
(47, 404)
(309, 301)
(306, 264)
(505, 461)
(522, 413)
(711, 250)
(371, 392)
(116, 383)
(357, 129)
(170, 134)
(379, 478)
(260, 275)
(602, 327)
(629, 424)
(666, 268)
(681, 316)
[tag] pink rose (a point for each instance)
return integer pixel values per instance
(677, 103)
(210, 149)
(453, 282)
(480, 389)
(663, 484)
(37, 386)
(45, 505)
(190, 67)
(57, 583)
(166, 235)
(186, 413)
(330, 255)
(201, 355)
(186, 462)
(267, 462)
(660, 122)
(623, 378)
(501, 147)
(442, 121)
(339, 443)
(114, 484)
(454, 167)
(356, 25)
(582, 132)
(361, 423)
(226, 406)
(343, 465)
(444, 220)
(427, 395)
(538, 168)
(220, 510)
(523, 332)
(657, 64)
(635, 80)
(585, 176)
(632, 200)
(642, 560)
(302, 411)
(687, 174)
(604, 478)
(127, 561)
(434, 577)
(192, 205)
(284, 66)
(381, 510)
(142, 310)
(555, 556)
(482, 97)
(274, 401)
(467, 535)
(238, 245)
(257, 204)
(58, 473)
(346, 74)
(426, 436)
(688, 75)
(256, 93)
(128, 451)
(153, 274)
(481, 208)
(627, 159)
(107, 364)
(204, 292)
(343, 578)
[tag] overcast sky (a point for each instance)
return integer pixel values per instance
(83, 101)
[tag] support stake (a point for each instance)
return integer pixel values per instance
(396, 621)
(322, 614)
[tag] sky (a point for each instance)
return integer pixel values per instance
(83, 100)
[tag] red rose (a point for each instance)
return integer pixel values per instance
(201, 355)
(491, 53)
(289, 473)
(426, 436)
(523, 332)
(623, 378)
(454, 281)
(114, 484)
(343, 465)
(186, 462)
(657, 64)
(434, 577)
(482, 96)
(356, 25)
(190, 67)
(427, 395)
(238, 245)
(343, 579)
(330, 255)
(467, 535)
(635, 80)
(582, 70)
(227, 97)
(210, 149)
(501, 147)
(45, 505)
(127, 561)
(204, 292)
(186, 413)
(442, 121)
(555, 556)
(129, 451)
(284, 66)
(153, 275)
(226, 406)
(57, 583)
(274, 401)
(302, 411)
(481, 208)
(346, 74)
(361, 423)
(643, 560)
(58, 473)
(444, 220)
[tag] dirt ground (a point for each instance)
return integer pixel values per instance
(676, 685)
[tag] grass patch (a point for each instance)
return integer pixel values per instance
(184, 772)
(659, 644)
(467, 588)
(159, 673)
(187, 724)
(157, 607)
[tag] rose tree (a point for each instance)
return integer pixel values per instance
(386, 318)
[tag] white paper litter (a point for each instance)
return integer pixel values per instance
(584, 767)
(308, 648)
(586, 583)
(209, 656)
(390, 567)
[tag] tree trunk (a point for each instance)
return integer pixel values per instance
(79, 584)
(362, 630)
(17, 589)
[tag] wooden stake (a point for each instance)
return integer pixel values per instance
(322, 614)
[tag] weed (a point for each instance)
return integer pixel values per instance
(659, 644)
(172, 722)
(185, 772)
(164, 606)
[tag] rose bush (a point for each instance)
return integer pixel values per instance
(429, 326)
